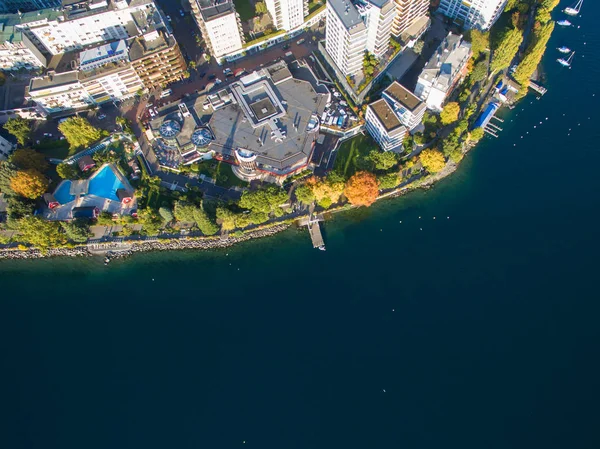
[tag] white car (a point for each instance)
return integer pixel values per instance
(101, 116)
(217, 81)
(151, 111)
(181, 13)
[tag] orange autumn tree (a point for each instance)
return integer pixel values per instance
(362, 189)
(29, 183)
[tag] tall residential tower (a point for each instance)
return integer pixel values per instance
(473, 14)
(407, 13)
(287, 14)
(355, 27)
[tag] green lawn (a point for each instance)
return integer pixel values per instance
(348, 155)
(222, 173)
(244, 9)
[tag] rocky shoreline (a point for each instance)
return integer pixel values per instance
(202, 243)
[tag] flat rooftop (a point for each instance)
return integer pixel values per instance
(347, 13)
(56, 80)
(211, 9)
(386, 115)
(232, 129)
(403, 96)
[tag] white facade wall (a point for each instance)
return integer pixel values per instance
(474, 14)
(434, 98)
(379, 23)
(62, 98)
(6, 148)
(224, 35)
(16, 56)
(346, 49)
(379, 133)
(287, 14)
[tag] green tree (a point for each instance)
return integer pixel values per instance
(370, 63)
(260, 8)
(205, 224)
(24, 159)
(150, 221)
(40, 233)
(480, 42)
(184, 212)
(450, 113)
(263, 200)
(77, 230)
(79, 132)
(304, 194)
(29, 183)
(506, 49)
(67, 171)
(20, 128)
(18, 207)
(192, 65)
(476, 135)
(125, 124)
(533, 54)
(7, 172)
(388, 180)
(383, 160)
(479, 72)
(432, 160)
(166, 214)
(227, 218)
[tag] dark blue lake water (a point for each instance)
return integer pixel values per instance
(474, 331)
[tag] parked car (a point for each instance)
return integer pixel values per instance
(169, 18)
(152, 113)
(181, 13)
(300, 42)
(218, 81)
(101, 116)
(202, 75)
(212, 77)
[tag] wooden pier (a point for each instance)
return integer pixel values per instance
(314, 228)
(539, 89)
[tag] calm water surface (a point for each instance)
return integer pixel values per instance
(474, 331)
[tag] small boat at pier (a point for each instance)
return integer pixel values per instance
(574, 10)
(564, 23)
(564, 49)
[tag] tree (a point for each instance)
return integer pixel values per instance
(67, 171)
(418, 47)
(480, 42)
(389, 180)
(29, 183)
(192, 65)
(476, 135)
(263, 200)
(304, 194)
(370, 63)
(205, 224)
(479, 72)
(25, 159)
(40, 233)
(166, 214)
(362, 189)
(432, 160)
(125, 124)
(150, 221)
(227, 218)
(79, 132)
(326, 191)
(20, 128)
(533, 54)
(507, 48)
(184, 212)
(383, 160)
(450, 113)
(18, 207)
(7, 172)
(77, 230)
(260, 8)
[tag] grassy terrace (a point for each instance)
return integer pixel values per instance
(222, 173)
(244, 9)
(347, 160)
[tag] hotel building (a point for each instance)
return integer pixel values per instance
(473, 14)
(287, 14)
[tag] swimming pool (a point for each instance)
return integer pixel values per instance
(62, 194)
(105, 184)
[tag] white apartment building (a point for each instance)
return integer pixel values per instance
(408, 12)
(220, 26)
(474, 13)
(287, 14)
(353, 28)
(99, 21)
(104, 74)
(446, 68)
(384, 126)
(407, 106)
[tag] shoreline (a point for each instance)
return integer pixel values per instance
(208, 243)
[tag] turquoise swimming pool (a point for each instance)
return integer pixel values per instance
(105, 184)
(62, 194)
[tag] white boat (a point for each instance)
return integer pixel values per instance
(564, 49)
(574, 10)
(566, 62)
(564, 23)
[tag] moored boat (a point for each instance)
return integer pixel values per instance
(574, 10)
(564, 23)
(564, 49)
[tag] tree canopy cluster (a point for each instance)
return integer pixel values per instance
(79, 132)
(20, 128)
(506, 49)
